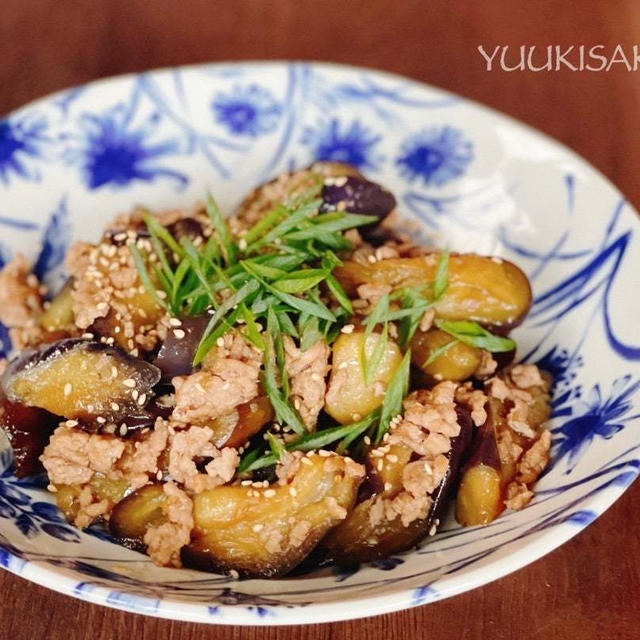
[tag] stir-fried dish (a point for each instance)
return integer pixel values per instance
(296, 383)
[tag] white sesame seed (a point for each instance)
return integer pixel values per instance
(392, 457)
(388, 486)
(102, 306)
(142, 399)
(348, 328)
(114, 372)
(323, 453)
(179, 333)
(246, 483)
(379, 464)
(134, 394)
(257, 528)
(68, 389)
(234, 574)
(242, 245)
(159, 475)
(72, 423)
(115, 406)
(101, 420)
(175, 322)
(88, 336)
(342, 366)
(367, 440)
(269, 493)
(292, 492)
(123, 429)
(220, 342)
(306, 461)
(371, 259)
(129, 382)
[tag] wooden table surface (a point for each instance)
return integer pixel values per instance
(589, 587)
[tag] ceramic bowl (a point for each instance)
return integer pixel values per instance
(463, 176)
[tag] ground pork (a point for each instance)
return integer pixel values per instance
(230, 378)
(535, 459)
(20, 302)
(487, 366)
(299, 533)
(307, 372)
(107, 285)
(526, 376)
(164, 541)
(426, 427)
(475, 400)
(369, 295)
(518, 496)
(288, 466)
(90, 507)
(73, 456)
(140, 460)
(195, 442)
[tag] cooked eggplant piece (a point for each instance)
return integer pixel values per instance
(68, 495)
(494, 293)
(267, 532)
(480, 497)
(457, 363)
(144, 314)
(348, 397)
(356, 539)
(357, 195)
(80, 379)
(175, 357)
(58, 314)
(237, 427)
(132, 516)
(28, 430)
(264, 197)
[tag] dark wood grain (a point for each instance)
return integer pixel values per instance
(589, 587)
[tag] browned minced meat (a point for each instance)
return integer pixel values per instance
(73, 457)
(522, 441)
(307, 372)
(20, 302)
(475, 400)
(426, 427)
(165, 540)
(195, 443)
(106, 283)
(230, 378)
(90, 507)
(134, 220)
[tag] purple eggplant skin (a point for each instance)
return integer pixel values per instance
(348, 545)
(175, 357)
(460, 446)
(483, 449)
(189, 228)
(28, 430)
(357, 195)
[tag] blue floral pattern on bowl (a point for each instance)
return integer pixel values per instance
(250, 111)
(458, 171)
